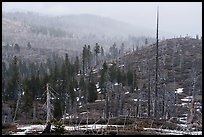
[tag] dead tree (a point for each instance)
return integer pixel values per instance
(156, 76)
(149, 92)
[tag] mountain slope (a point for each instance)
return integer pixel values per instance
(178, 57)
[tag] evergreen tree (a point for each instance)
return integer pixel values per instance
(28, 45)
(119, 76)
(102, 51)
(92, 93)
(84, 58)
(113, 72)
(97, 51)
(146, 41)
(27, 99)
(3, 80)
(13, 82)
(17, 47)
(104, 76)
(76, 65)
(82, 86)
(89, 56)
(57, 109)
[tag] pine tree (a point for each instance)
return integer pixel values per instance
(113, 72)
(13, 82)
(97, 51)
(104, 76)
(102, 51)
(146, 41)
(76, 65)
(27, 98)
(17, 47)
(28, 45)
(57, 109)
(92, 93)
(3, 80)
(84, 58)
(83, 87)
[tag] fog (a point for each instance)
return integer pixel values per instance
(175, 18)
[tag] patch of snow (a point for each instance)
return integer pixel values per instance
(189, 97)
(175, 132)
(184, 104)
(179, 90)
(185, 99)
(29, 128)
(135, 99)
(121, 66)
(77, 98)
(98, 89)
(94, 70)
(127, 92)
(116, 84)
(99, 100)
(97, 85)
(91, 126)
(84, 112)
(198, 109)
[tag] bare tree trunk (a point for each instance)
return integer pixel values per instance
(156, 79)
(149, 96)
(34, 110)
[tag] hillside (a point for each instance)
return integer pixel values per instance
(70, 31)
(180, 61)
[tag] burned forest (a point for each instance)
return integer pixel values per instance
(84, 74)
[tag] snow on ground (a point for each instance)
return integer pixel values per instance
(90, 126)
(40, 128)
(175, 132)
(98, 100)
(179, 90)
(121, 65)
(135, 99)
(97, 85)
(29, 128)
(127, 92)
(188, 98)
(185, 99)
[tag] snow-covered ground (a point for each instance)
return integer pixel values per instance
(39, 128)
(175, 132)
(29, 128)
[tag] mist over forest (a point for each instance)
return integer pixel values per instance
(67, 70)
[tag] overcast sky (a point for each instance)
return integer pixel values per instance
(178, 18)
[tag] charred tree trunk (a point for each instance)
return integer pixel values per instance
(149, 96)
(156, 76)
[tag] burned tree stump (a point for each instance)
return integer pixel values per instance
(47, 129)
